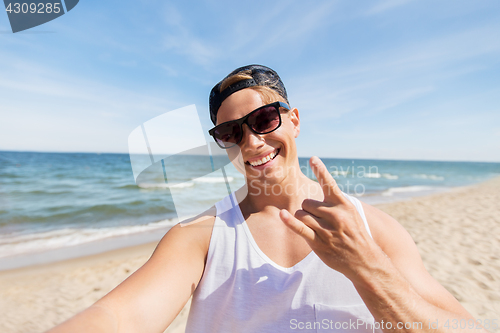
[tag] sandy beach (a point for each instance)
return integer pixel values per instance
(457, 233)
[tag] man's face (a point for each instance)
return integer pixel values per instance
(275, 152)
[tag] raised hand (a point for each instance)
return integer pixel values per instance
(333, 228)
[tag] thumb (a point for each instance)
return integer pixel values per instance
(296, 225)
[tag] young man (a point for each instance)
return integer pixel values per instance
(294, 254)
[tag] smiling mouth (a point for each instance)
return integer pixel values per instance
(265, 159)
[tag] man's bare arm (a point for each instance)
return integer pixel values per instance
(394, 286)
(150, 299)
(414, 285)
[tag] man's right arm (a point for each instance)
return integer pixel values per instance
(150, 299)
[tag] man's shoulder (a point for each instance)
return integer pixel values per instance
(205, 219)
(192, 234)
(385, 229)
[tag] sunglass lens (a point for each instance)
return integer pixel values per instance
(265, 120)
(228, 135)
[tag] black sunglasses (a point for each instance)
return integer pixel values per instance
(263, 120)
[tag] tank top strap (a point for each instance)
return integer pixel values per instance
(359, 207)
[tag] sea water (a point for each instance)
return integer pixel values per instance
(55, 206)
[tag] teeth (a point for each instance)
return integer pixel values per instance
(264, 159)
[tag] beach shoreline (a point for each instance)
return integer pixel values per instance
(155, 232)
(457, 233)
(62, 254)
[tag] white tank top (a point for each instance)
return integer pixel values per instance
(242, 290)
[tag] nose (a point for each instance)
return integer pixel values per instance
(250, 139)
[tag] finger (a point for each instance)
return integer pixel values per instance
(308, 219)
(332, 192)
(297, 226)
(317, 208)
(319, 221)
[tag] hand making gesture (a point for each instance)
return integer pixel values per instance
(333, 228)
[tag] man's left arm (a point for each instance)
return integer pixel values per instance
(409, 280)
(387, 271)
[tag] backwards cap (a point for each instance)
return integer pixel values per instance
(261, 76)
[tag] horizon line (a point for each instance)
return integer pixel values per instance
(338, 158)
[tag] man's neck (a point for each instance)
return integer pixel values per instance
(288, 194)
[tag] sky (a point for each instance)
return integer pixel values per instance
(391, 79)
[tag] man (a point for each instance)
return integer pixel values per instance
(294, 254)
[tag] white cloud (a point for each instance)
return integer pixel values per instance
(246, 36)
(386, 5)
(180, 39)
(291, 28)
(392, 77)
(45, 109)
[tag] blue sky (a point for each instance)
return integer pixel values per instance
(393, 79)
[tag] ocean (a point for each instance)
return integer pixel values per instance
(55, 206)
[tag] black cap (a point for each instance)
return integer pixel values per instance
(261, 76)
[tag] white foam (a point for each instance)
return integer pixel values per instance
(11, 245)
(341, 173)
(213, 179)
(425, 176)
(337, 173)
(164, 185)
(372, 175)
(405, 189)
(182, 185)
(153, 185)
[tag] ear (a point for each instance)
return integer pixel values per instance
(295, 119)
